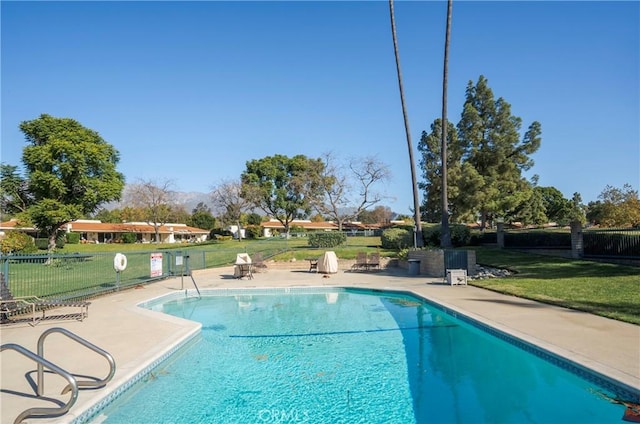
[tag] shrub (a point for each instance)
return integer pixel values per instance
(217, 233)
(252, 231)
(460, 235)
(397, 238)
(297, 229)
(540, 239)
(128, 237)
(431, 236)
(73, 238)
(42, 243)
(17, 242)
(485, 237)
(326, 239)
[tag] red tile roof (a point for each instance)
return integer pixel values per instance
(90, 226)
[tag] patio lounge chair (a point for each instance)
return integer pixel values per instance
(10, 305)
(373, 261)
(257, 262)
(361, 262)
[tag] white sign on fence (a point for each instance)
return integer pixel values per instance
(156, 264)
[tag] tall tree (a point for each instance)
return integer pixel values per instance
(14, 191)
(106, 215)
(430, 147)
(349, 192)
(70, 171)
(445, 234)
(156, 199)
(201, 217)
(494, 153)
(284, 188)
(616, 207)
(379, 215)
(531, 210)
(227, 197)
(418, 240)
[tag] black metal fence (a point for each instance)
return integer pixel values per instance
(612, 243)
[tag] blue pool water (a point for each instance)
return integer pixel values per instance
(347, 356)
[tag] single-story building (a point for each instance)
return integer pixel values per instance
(95, 231)
(273, 225)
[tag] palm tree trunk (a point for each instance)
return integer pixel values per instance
(418, 240)
(445, 233)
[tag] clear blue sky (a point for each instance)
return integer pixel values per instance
(190, 91)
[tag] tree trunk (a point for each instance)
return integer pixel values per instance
(445, 233)
(51, 244)
(418, 240)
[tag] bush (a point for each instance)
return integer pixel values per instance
(326, 239)
(478, 238)
(219, 233)
(73, 238)
(397, 238)
(128, 237)
(252, 231)
(460, 235)
(17, 242)
(540, 239)
(431, 236)
(42, 243)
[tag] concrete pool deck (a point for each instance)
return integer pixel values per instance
(135, 336)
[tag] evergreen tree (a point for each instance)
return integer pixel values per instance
(494, 156)
(430, 148)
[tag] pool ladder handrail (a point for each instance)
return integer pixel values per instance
(73, 384)
(85, 343)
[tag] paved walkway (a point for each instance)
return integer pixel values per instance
(136, 337)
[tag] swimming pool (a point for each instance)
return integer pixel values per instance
(345, 355)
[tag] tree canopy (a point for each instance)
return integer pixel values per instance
(485, 160)
(615, 207)
(227, 198)
(70, 170)
(156, 200)
(201, 217)
(343, 201)
(283, 187)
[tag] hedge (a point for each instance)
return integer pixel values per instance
(326, 239)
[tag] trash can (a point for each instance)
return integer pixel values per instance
(414, 266)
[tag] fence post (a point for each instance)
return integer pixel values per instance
(577, 245)
(500, 234)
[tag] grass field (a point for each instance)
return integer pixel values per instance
(599, 288)
(603, 289)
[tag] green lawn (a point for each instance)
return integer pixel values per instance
(602, 289)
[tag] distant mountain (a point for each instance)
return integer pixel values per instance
(189, 200)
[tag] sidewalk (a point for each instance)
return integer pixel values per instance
(135, 336)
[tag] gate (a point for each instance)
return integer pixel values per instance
(455, 259)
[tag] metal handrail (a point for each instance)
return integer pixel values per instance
(73, 336)
(73, 384)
